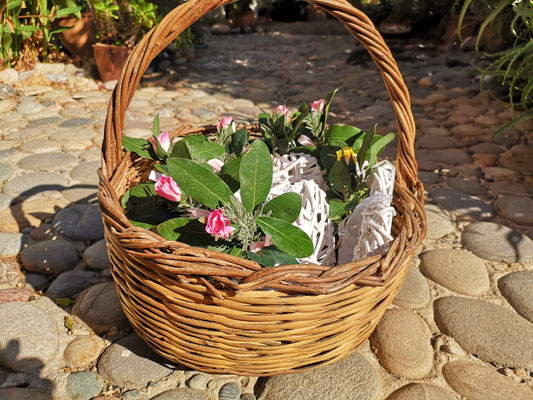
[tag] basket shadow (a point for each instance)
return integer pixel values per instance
(27, 213)
(10, 355)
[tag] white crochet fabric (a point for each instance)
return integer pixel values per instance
(367, 230)
(314, 220)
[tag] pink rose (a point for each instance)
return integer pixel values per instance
(282, 110)
(163, 139)
(216, 164)
(167, 188)
(318, 106)
(225, 123)
(305, 141)
(218, 225)
(198, 212)
(258, 246)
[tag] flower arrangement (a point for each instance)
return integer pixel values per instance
(286, 197)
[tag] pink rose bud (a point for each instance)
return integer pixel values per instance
(218, 225)
(216, 164)
(258, 246)
(198, 212)
(163, 139)
(305, 141)
(282, 110)
(318, 106)
(225, 123)
(167, 188)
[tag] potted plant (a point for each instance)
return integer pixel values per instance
(403, 14)
(119, 24)
(79, 32)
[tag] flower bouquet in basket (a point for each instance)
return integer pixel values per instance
(300, 192)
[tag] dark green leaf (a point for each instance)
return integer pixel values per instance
(271, 257)
(367, 141)
(286, 207)
(339, 177)
(142, 193)
(230, 174)
(303, 149)
(286, 237)
(187, 230)
(239, 140)
(255, 174)
(199, 182)
(181, 150)
(328, 156)
(226, 248)
(150, 213)
(140, 146)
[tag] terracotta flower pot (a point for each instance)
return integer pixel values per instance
(110, 59)
(80, 38)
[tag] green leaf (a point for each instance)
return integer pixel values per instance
(140, 194)
(199, 182)
(68, 11)
(378, 144)
(328, 99)
(339, 177)
(155, 126)
(13, 4)
(187, 230)
(205, 151)
(286, 207)
(255, 173)
(328, 156)
(271, 257)
(150, 213)
(181, 150)
(286, 237)
(336, 209)
(225, 248)
(239, 140)
(230, 174)
(365, 146)
(139, 146)
(162, 168)
(342, 134)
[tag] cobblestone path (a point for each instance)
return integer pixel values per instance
(462, 325)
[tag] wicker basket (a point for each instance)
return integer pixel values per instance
(221, 314)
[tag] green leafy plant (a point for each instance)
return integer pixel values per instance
(31, 22)
(121, 22)
(215, 191)
(511, 67)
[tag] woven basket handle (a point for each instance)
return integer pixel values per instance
(186, 14)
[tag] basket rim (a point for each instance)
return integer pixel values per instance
(253, 274)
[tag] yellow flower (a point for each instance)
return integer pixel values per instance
(348, 154)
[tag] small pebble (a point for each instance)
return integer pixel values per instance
(229, 391)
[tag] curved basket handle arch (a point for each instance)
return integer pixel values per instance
(183, 16)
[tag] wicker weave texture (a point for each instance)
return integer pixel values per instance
(219, 313)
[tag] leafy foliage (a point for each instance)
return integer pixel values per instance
(25, 22)
(512, 67)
